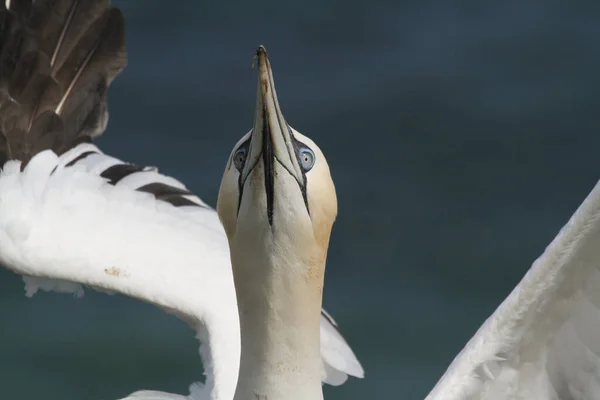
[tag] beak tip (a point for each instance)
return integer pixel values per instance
(261, 54)
(263, 68)
(261, 50)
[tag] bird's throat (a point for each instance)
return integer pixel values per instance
(279, 291)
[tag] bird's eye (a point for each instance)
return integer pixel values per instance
(239, 158)
(307, 158)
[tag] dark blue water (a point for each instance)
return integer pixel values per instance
(461, 135)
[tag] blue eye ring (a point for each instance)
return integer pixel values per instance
(239, 157)
(307, 158)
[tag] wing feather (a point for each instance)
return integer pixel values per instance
(543, 341)
(338, 357)
(74, 227)
(57, 59)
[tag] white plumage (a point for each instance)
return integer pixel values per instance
(543, 341)
(61, 227)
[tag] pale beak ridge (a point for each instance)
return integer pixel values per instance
(272, 138)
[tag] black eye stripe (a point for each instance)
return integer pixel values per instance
(297, 145)
(244, 145)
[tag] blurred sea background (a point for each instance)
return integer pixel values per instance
(461, 136)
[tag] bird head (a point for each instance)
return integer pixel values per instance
(276, 187)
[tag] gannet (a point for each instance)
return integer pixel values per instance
(277, 203)
(71, 215)
(61, 208)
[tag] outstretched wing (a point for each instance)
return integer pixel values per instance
(71, 225)
(543, 341)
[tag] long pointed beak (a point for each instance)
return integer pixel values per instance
(272, 138)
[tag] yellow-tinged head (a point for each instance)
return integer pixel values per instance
(276, 179)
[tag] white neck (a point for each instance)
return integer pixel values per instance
(279, 291)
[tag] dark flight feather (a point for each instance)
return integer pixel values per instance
(57, 59)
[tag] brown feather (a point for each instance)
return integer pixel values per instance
(57, 58)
